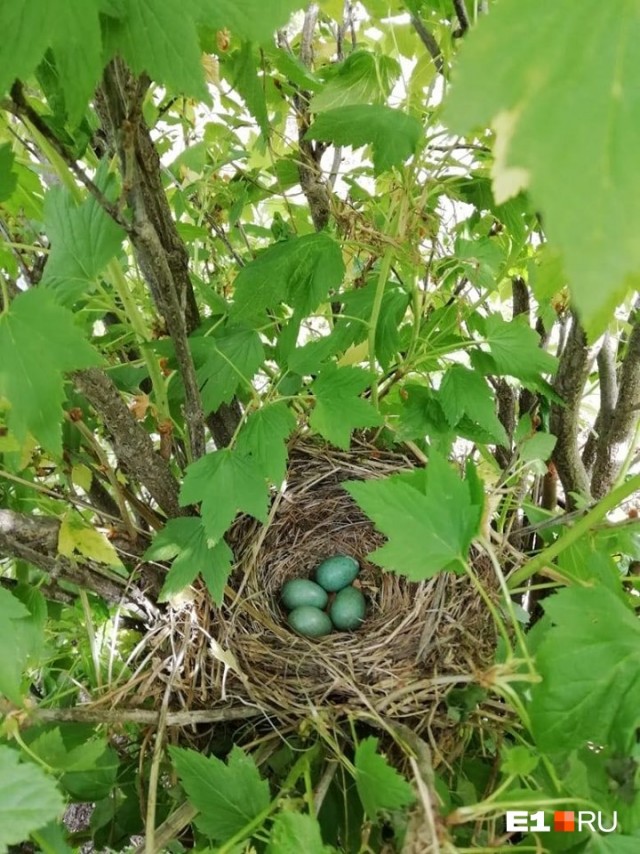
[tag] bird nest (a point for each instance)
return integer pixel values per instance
(417, 643)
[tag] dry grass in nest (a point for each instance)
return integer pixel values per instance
(418, 641)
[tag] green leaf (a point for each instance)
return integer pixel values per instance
(141, 36)
(252, 20)
(96, 781)
(242, 68)
(421, 414)
(89, 765)
(481, 261)
(229, 796)
(28, 799)
(70, 27)
(77, 48)
(519, 761)
(339, 409)
(392, 134)
(363, 78)
(546, 273)
(379, 785)
(83, 240)
(226, 482)
(50, 747)
(224, 363)
(8, 178)
(429, 519)
(537, 447)
(52, 839)
(590, 667)
(515, 349)
(75, 535)
(293, 833)
(465, 392)
(578, 156)
(22, 619)
(612, 843)
(184, 539)
(300, 272)
(26, 28)
(39, 342)
(264, 436)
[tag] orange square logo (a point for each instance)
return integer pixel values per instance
(564, 821)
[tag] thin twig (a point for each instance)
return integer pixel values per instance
(322, 788)
(154, 771)
(428, 40)
(463, 17)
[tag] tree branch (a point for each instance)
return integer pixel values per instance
(507, 398)
(160, 252)
(608, 381)
(618, 422)
(573, 372)
(132, 445)
(428, 40)
(312, 182)
(34, 539)
(463, 17)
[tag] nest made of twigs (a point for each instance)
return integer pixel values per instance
(418, 640)
(416, 637)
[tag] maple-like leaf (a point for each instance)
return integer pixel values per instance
(263, 437)
(392, 134)
(226, 362)
(225, 483)
(141, 35)
(29, 798)
(294, 832)
(83, 240)
(184, 539)
(251, 20)
(379, 785)
(71, 28)
(39, 343)
(464, 392)
(229, 796)
(590, 667)
(75, 535)
(514, 350)
(299, 271)
(339, 409)
(429, 518)
(362, 78)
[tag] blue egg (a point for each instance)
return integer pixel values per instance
(336, 572)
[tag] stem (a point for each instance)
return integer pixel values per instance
(4, 293)
(57, 161)
(88, 618)
(383, 275)
(508, 603)
(628, 460)
(248, 829)
(581, 527)
(140, 328)
(103, 459)
(497, 619)
(37, 759)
